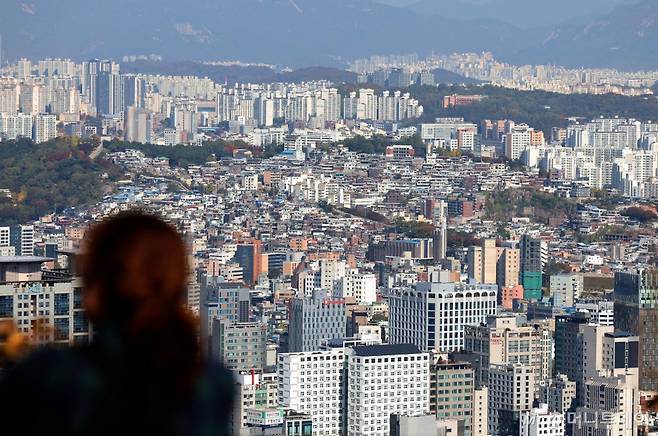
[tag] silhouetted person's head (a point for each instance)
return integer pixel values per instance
(135, 272)
(142, 373)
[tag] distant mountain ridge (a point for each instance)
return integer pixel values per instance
(239, 74)
(316, 32)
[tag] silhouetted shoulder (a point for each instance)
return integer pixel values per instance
(44, 386)
(71, 391)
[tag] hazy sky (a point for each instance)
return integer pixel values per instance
(522, 13)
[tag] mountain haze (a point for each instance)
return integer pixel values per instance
(319, 32)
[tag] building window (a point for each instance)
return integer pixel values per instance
(6, 306)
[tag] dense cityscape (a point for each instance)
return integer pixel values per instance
(374, 257)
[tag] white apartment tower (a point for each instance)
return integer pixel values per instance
(382, 380)
(314, 383)
(45, 128)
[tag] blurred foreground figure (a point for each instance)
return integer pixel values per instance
(143, 373)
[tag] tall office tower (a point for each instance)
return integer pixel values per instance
(452, 390)
(579, 349)
(47, 308)
(255, 391)
(636, 312)
(44, 128)
(437, 211)
(138, 125)
(134, 90)
(315, 383)
(507, 267)
(559, 394)
(102, 86)
(531, 267)
(483, 262)
(22, 239)
(110, 93)
(9, 96)
(502, 340)
(610, 407)
(511, 392)
(382, 380)
(315, 319)
(249, 257)
(541, 421)
(593, 348)
(31, 99)
(264, 111)
(433, 315)
(224, 301)
(240, 346)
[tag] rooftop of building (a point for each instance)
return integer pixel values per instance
(24, 259)
(386, 350)
(619, 335)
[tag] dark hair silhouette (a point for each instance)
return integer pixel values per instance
(142, 373)
(134, 269)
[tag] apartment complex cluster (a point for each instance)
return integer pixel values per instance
(484, 67)
(605, 153)
(58, 96)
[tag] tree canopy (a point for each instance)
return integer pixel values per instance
(43, 178)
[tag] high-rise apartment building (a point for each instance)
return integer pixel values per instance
(382, 380)
(14, 126)
(316, 383)
(44, 128)
(138, 125)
